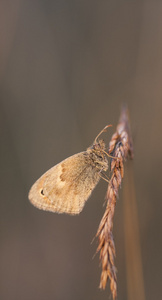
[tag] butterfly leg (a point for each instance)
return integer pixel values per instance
(102, 174)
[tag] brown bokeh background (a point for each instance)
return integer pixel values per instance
(66, 67)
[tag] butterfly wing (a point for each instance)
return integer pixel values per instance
(65, 187)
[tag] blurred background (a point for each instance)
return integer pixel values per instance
(66, 67)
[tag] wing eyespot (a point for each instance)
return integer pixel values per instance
(42, 193)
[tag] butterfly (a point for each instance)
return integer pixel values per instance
(67, 186)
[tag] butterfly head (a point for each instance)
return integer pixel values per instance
(98, 154)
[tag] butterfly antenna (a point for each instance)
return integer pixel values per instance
(103, 130)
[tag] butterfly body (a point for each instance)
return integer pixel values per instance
(66, 187)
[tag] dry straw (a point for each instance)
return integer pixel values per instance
(121, 148)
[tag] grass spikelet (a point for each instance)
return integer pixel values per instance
(120, 147)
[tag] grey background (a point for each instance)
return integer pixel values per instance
(66, 67)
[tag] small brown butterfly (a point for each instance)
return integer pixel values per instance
(66, 187)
